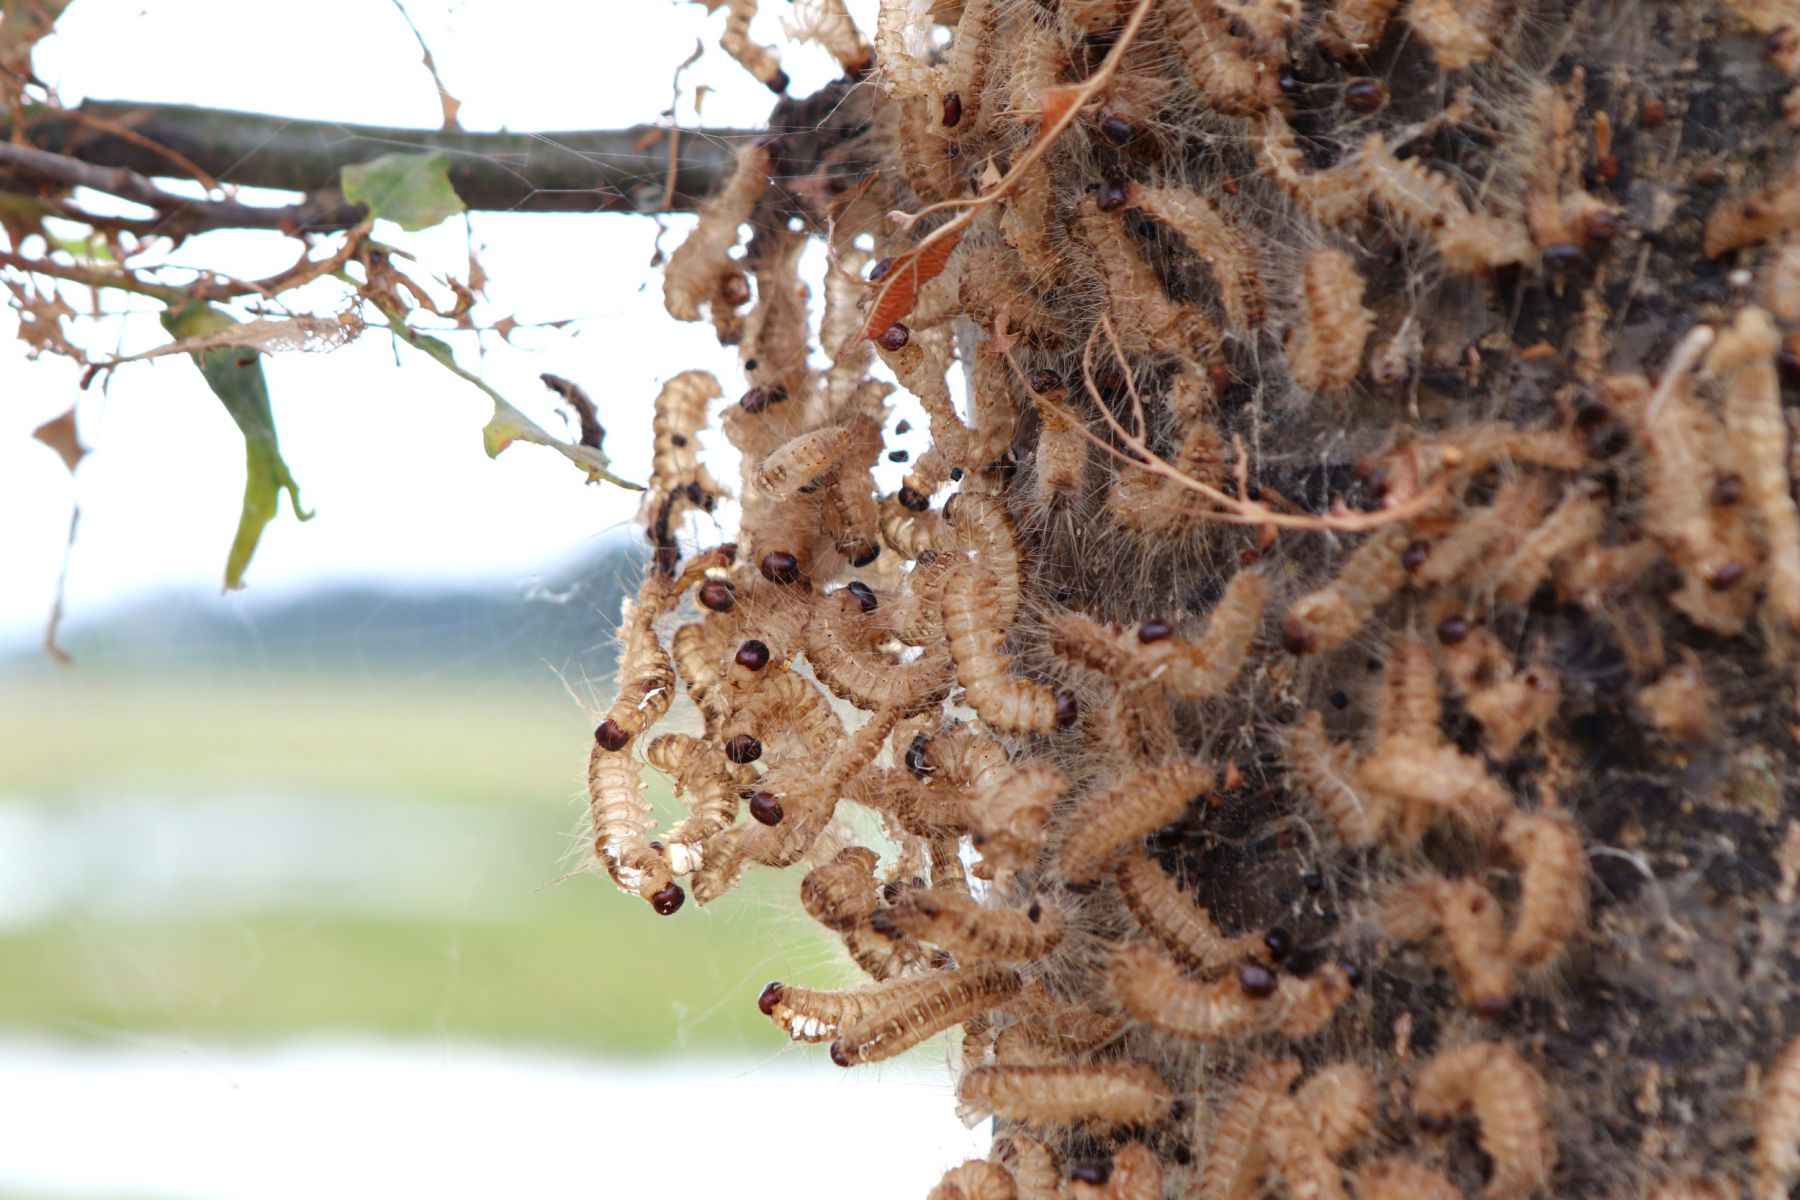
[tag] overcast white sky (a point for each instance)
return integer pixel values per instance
(386, 447)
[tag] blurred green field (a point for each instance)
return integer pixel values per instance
(521, 954)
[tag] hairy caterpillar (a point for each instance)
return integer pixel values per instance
(703, 772)
(1061, 459)
(1514, 707)
(1191, 669)
(1759, 216)
(830, 25)
(1011, 817)
(1327, 774)
(1300, 1154)
(760, 61)
(1031, 1163)
(1487, 533)
(1157, 506)
(1217, 241)
(1777, 1153)
(1233, 78)
(1473, 927)
(1134, 1173)
(1340, 1103)
(1429, 780)
(1552, 892)
(1507, 1098)
(842, 894)
(1460, 32)
(843, 663)
(1237, 1154)
(971, 612)
(1574, 522)
(975, 1180)
(967, 928)
(1408, 705)
(812, 1015)
(1185, 930)
(621, 817)
(1331, 197)
(1325, 350)
(923, 1008)
(1139, 804)
(1102, 1095)
(1355, 27)
(679, 416)
(1744, 359)
(700, 265)
(1146, 319)
(1067, 1030)
(1152, 988)
(1338, 611)
(1397, 1179)
(801, 463)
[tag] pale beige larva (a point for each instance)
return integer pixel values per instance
(1575, 521)
(702, 771)
(1167, 914)
(1150, 986)
(1355, 27)
(621, 820)
(971, 614)
(969, 929)
(1340, 1102)
(1299, 1153)
(1325, 349)
(1552, 884)
(1236, 1152)
(1102, 1096)
(837, 645)
(923, 1008)
(700, 263)
(842, 894)
(1432, 781)
(1398, 1179)
(1508, 1099)
(1140, 804)
(1031, 1163)
(1460, 33)
(1191, 668)
(1744, 357)
(1472, 925)
(1227, 71)
(1217, 241)
(1409, 704)
(801, 462)
(975, 1180)
(1328, 776)
(1338, 611)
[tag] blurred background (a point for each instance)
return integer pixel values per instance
(291, 887)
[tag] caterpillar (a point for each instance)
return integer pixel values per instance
(969, 929)
(1507, 1098)
(1191, 669)
(703, 772)
(1337, 612)
(1473, 927)
(1234, 80)
(1237, 1154)
(1141, 803)
(840, 659)
(971, 616)
(1031, 1163)
(1460, 33)
(700, 266)
(1777, 1150)
(1743, 358)
(1300, 1154)
(1325, 350)
(1150, 987)
(1355, 27)
(1327, 775)
(760, 61)
(1101, 1096)
(923, 1008)
(801, 463)
(1552, 884)
(1010, 818)
(621, 817)
(1340, 1103)
(1184, 929)
(1217, 241)
(1430, 780)
(975, 1180)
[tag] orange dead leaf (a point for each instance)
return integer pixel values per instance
(900, 290)
(1056, 103)
(60, 436)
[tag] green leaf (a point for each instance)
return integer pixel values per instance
(235, 375)
(411, 190)
(508, 424)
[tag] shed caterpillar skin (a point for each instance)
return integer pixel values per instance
(1325, 351)
(1397, 1179)
(1237, 1154)
(968, 929)
(1232, 77)
(975, 1180)
(1473, 927)
(1744, 360)
(1217, 241)
(971, 608)
(1101, 1096)
(1327, 774)
(621, 818)
(862, 676)
(1552, 884)
(1340, 1103)
(1140, 804)
(1777, 1153)
(923, 1008)
(1338, 611)
(699, 265)
(704, 773)
(1194, 669)
(1507, 1098)
(1167, 914)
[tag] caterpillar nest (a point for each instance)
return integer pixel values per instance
(1325, 682)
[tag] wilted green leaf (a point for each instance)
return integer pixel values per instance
(235, 375)
(411, 190)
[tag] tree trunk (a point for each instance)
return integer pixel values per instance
(1464, 332)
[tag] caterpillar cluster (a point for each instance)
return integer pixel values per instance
(1221, 673)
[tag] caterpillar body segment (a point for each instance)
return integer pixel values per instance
(1507, 1098)
(972, 627)
(922, 1008)
(1100, 1096)
(1552, 885)
(967, 928)
(1326, 772)
(1196, 669)
(1141, 804)
(1167, 914)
